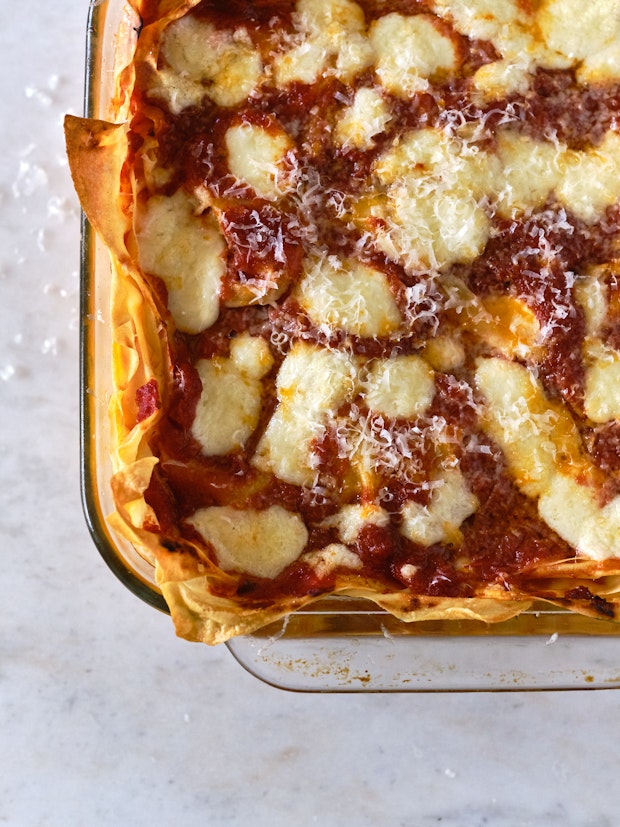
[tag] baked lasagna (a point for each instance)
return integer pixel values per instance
(365, 304)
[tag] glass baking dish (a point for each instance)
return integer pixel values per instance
(338, 644)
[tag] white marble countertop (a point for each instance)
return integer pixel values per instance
(107, 718)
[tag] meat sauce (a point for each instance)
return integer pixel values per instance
(266, 241)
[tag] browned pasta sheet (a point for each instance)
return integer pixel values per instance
(365, 305)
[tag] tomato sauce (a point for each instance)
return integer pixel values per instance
(605, 447)
(147, 400)
(559, 107)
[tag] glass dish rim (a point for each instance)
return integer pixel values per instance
(91, 505)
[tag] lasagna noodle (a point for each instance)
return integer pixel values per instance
(387, 346)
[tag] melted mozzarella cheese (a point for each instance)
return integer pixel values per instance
(444, 353)
(590, 180)
(409, 50)
(334, 556)
(204, 60)
(574, 513)
(431, 227)
(186, 251)
(351, 519)
(502, 78)
(602, 386)
(484, 19)
(451, 503)
(230, 403)
(439, 190)
(348, 296)
(537, 436)
(588, 34)
(433, 210)
(602, 363)
(555, 34)
(505, 23)
(530, 171)
(591, 293)
(366, 117)
(302, 64)
(542, 448)
(400, 386)
(312, 383)
(514, 29)
(331, 39)
(261, 543)
(261, 158)
(584, 181)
